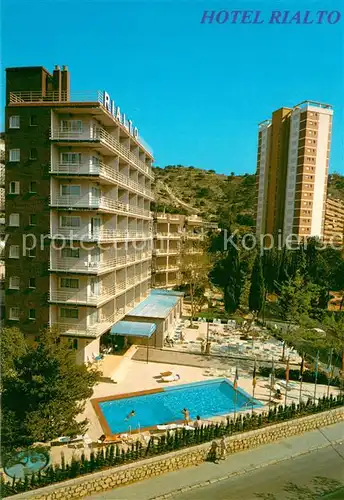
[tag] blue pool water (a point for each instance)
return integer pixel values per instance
(206, 399)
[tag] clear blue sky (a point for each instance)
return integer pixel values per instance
(196, 92)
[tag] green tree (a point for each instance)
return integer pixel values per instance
(13, 345)
(226, 274)
(296, 298)
(257, 290)
(194, 272)
(47, 393)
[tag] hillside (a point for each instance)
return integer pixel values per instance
(215, 196)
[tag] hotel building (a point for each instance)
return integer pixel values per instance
(78, 193)
(176, 236)
(2, 227)
(334, 222)
(292, 170)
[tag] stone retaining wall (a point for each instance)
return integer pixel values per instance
(118, 476)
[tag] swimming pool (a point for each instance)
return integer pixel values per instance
(207, 399)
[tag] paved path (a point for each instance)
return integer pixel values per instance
(306, 477)
(196, 478)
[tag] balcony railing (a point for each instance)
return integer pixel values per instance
(86, 266)
(82, 266)
(76, 296)
(100, 235)
(103, 171)
(2, 155)
(167, 268)
(194, 236)
(97, 203)
(171, 236)
(98, 134)
(66, 97)
(82, 329)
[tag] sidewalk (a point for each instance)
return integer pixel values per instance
(239, 463)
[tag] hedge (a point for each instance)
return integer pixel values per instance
(112, 455)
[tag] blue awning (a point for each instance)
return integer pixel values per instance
(133, 329)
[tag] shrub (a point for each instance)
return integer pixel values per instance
(181, 439)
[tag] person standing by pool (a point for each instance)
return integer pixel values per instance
(131, 414)
(186, 416)
(198, 422)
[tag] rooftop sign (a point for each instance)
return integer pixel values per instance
(110, 105)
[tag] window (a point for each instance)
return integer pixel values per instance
(70, 221)
(14, 220)
(69, 283)
(72, 344)
(69, 313)
(33, 154)
(32, 252)
(33, 120)
(15, 155)
(32, 314)
(14, 313)
(14, 283)
(14, 187)
(32, 219)
(32, 282)
(70, 252)
(71, 126)
(74, 158)
(14, 121)
(33, 187)
(14, 252)
(70, 190)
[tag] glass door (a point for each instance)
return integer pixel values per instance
(95, 227)
(95, 196)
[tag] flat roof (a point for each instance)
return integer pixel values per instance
(156, 305)
(133, 329)
(167, 292)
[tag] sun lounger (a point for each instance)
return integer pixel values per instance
(171, 378)
(166, 427)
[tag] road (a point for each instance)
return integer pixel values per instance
(303, 478)
(287, 469)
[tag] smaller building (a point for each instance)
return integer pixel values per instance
(162, 308)
(334, 222)
(176, 234)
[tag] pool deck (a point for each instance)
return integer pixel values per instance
(252, 402)
(138, 376)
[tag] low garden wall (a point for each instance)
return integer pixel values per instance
(194, 455)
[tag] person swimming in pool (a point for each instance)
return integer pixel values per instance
(131, 414)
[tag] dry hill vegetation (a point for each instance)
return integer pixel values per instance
(190, 190)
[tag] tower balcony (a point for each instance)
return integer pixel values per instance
(101, 140)
(100, 170)
(100, 235)
(101, 203)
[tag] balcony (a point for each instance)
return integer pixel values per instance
(194, 236)
(170, 236)
(106, 140)
(84, 296)
(82, 329)
(103, 171)
(164, 269)
(71, 265)
(102, 235)
(102, 203)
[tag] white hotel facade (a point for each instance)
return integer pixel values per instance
(77, 171)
